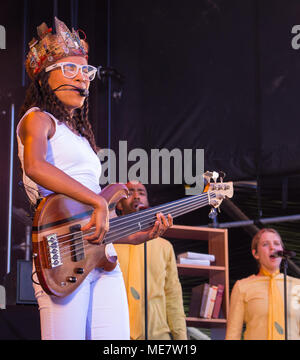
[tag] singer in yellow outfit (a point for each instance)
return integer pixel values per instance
(258, 301)
(166, 318)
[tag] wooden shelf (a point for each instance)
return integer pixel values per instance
(196, 270)
(218, 273)
(205, 323)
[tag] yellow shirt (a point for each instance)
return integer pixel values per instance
(249, 305)
(165, 305)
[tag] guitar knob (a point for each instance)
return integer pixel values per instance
(72, 279)
(79, 271)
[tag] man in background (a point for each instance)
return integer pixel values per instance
(166, 318)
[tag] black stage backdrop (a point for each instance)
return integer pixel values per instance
(215, 75)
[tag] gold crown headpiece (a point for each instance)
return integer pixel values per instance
(53, 47)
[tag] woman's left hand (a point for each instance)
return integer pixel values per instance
(160, 226)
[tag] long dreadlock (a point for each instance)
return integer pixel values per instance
(40, 94)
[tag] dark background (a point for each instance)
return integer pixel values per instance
(215, 75)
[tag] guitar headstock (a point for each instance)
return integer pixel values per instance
(217, 191)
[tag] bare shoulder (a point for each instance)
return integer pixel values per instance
(36, 122)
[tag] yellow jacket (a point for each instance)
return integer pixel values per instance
(165, 305)
(249, 305)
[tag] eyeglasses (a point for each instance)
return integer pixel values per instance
(70, 70)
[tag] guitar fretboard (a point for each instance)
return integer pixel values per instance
(129, 224)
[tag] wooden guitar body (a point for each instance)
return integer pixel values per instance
(62, 257)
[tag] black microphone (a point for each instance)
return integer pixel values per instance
(82, 92)
(284, 253)
(103, 72)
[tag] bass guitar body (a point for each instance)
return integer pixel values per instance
(61, 256)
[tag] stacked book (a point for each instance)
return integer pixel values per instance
(193, 258)
(206, 301)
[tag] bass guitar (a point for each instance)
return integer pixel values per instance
(62, 256)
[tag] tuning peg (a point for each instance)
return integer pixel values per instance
(207, 176)
(215, 176)
(222, 175)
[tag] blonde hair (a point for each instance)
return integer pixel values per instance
(259, 234)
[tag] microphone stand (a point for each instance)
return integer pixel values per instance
(285, 266)
(145, 282)
(286, 262)
(145, 289)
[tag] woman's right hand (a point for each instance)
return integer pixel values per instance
(99, 220)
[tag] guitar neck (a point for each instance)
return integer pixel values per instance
(130, 224)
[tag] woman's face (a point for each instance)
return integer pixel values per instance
(268, 244)
(70, 98)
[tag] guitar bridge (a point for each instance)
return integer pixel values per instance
(53, 249)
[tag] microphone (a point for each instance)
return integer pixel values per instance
(82, 92)
(103, 72)
(284, 253)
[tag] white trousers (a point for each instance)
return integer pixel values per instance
(97, 309)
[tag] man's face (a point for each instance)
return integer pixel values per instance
(137, 200)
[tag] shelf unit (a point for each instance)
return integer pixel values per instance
(217, 273)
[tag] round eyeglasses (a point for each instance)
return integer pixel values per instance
(70, 70)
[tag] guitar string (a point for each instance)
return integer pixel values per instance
(140, 215)
(115, 237)
(81, 246)
(124, 232)
(142, 218)
(132, 217)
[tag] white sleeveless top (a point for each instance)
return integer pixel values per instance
(70, 153)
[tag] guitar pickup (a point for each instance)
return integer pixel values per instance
(77, 246)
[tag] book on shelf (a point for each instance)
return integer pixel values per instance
(195, 255)
(190, 257)
(193, 262)
(206, 301)
(218, 303)
(195, 302)
(206, 288)
(210, 301)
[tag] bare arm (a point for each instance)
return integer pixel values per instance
(35, 130)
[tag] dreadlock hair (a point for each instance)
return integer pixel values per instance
(40, 94)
